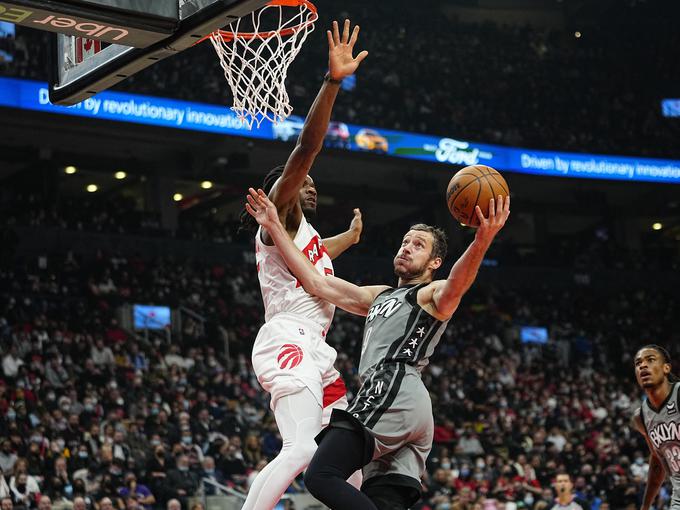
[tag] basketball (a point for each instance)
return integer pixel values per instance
(472, 186)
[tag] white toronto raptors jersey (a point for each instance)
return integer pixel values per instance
(281, 290)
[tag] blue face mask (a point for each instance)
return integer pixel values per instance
(209, 472)
(83, 455)
(11, 415)
(184, 469)
(186, 439)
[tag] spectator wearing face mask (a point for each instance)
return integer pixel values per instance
(180, 482)
(80, 493)
(21, 467)
(22, 494)
(57, 496)
(210, 473)
(157, 467)
(439, 488)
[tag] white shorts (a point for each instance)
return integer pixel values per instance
(291, 353)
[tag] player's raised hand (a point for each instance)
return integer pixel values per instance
(261, 208)
(341, 62)
(356, 225)
(499, 211)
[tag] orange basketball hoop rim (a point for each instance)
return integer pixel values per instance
(313, 15)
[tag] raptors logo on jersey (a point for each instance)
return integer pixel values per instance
(290, 356)
(281, 291)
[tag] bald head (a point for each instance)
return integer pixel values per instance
(79, 504)
(106, 504)
(45, 503)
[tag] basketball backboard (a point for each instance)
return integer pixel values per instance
(101, 42)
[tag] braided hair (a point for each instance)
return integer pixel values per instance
(666, 358)
(248, 223)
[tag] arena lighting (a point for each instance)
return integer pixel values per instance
(120, 175)
(70, 170)
(177, 197)
(577, 34)
(206, 185)
(657, 226)
(91, 188)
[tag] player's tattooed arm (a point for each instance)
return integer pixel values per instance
(447, 293)
(657, 473)
(341, 63)
(338, 244)
(346, 295)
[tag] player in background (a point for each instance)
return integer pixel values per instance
(388, 428)
(658, 420)
(564, 488)
(290, 356)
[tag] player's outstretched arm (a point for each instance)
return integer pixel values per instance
(341, 63)
(346, 295)
(448, 293)
(337, 245)
(657, 473)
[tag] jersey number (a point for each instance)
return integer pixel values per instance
(672, 455)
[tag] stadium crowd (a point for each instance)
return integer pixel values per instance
(98, 417)
(593, 248)
(431, 73)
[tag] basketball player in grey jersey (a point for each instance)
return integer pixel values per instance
(658, 420)
(388, 428)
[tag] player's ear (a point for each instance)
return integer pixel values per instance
(435, 263)
(667, 368)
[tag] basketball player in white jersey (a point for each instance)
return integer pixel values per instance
(290, 356)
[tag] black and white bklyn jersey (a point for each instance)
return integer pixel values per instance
(398, 329)
(663, 429)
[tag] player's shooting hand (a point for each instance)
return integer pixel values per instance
(341, 63)
(356, 225)
(499, 210)
(261, 208)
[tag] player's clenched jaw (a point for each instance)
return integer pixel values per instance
(651, 370)
(414, 257)
(308, 198)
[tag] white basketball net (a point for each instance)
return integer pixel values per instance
(256, 62)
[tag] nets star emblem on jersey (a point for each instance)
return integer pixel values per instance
(290, 356)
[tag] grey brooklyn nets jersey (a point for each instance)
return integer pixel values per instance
(393, 404)
(398, 329)
(663, 428)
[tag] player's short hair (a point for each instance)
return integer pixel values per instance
(664, 354)
(247, 222)
(440, 245)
